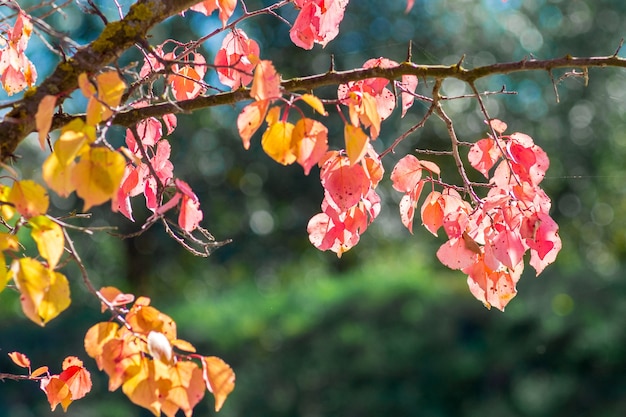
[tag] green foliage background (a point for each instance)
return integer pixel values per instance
(386, 330)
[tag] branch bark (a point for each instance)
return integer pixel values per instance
(116, 38)
(119, 36)
(303, 84)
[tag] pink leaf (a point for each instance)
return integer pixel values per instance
(455, 254)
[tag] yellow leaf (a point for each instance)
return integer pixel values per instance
(8, 242)
(44, 293)
(74, 139)
(276, 142)
(4, 276)
(58, 176)
(369, 115)
(110, 91)
(49, 238)
(6, 210)
(219, 379)
(143, 389)
(29, 198)
(356, 143)
(97, 176)
(315, 103)
(43, 118)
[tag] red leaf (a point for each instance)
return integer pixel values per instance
(345, 184)
(236, 59)
(317, 22)
(483, 155)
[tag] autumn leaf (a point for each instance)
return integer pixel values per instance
(266, 82)
(73, 141)
(309, 143)
(187, 388)
(77, 378)
(250, 119)
(276, 142)
(49, 238)
(315, 103)
(225, 7)
(44, 293)
(406, 174)
(236, 58)
(97, 175)
(29, 198)
(483, 155)
(58, 177)
(345, 184)
(144, 389)
(317, 22)
(20, 359)
(43, 118)
(96, 337)
(57, 392)
(219, 379)
(356, 143)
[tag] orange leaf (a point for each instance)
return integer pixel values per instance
(121, 359)
(276, 142)
(219, 379)
(187, 387)
(266, 82)
(43, 118)
(77, 378)
(49, 238)
(97, 336)
(45, 293)
(39, 371)
(250, 119)
(309, 143)
(30, 199)
(356, 143)
(20, 359)
(183, 345)
(57, 392)
(97, 175)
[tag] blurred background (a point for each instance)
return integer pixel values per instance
(386, 329)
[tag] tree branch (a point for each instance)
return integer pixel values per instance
(116, 38)
(130, 117)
